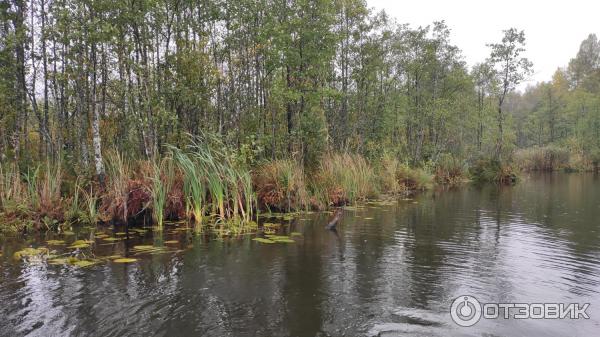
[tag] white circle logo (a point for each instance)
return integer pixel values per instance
(465, 311)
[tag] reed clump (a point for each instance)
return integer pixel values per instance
(494, 171)
(414, 179)
(127, 193)
(450, 170)
(213, 183)
(280, 185)
(388, 180)
(346, 178)
(547, 158)
(212, 188)
(33, 198)
(83, 203)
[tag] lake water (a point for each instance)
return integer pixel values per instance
(392, 269)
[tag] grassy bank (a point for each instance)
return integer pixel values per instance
(202, 185)
(215, 190)
(554, 158)
(212, 189)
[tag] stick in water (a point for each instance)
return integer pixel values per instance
(336, 218)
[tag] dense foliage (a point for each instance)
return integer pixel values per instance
(276, 80)
(565, 111)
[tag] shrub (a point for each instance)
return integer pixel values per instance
(490, 170)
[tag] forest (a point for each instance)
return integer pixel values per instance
(219, 108)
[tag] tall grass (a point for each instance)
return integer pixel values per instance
(208, 184)
(547, 158)
(115, 197)
(387, 175)
(246, 196)
(489, 170)
(194, 188)
(84, 204)
(396, 177)
(31, 187)
(163, 175)
(13, 200)
(90, 201)
(213, 181)
(414, 179)
(348, 178)
(49, 188)
(280, 185)
(12, 190)
(450, 170)
(34, 196)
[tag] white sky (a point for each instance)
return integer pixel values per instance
(553, 29)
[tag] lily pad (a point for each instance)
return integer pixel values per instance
(296, 234)
(112, 239)
(80, 242)
(277, 237)
(55, 242)
(120, 233)
(263, 240)
(68, 233)
(285, 241)
(58, 261)
(171, 242)
(124, 260)
(138, 230)
(144, 247)
(29, 251)
(83, 263)
(79, 245)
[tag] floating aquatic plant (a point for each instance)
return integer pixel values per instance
(29, 252)
(79, 246)
(263, 240)
(112, 239)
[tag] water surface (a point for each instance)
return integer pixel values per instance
(392, 269)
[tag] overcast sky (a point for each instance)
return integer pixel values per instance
(554, 29)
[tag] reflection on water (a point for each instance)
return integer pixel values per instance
(390, 270)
